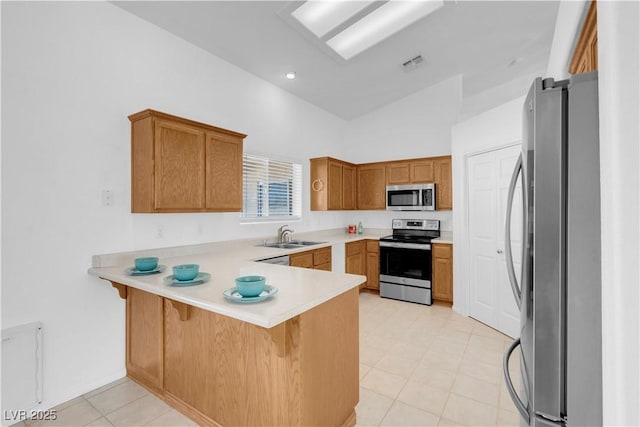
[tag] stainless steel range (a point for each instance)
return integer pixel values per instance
(405, 260)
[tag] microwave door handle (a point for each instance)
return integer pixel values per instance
(520, 406)
(507, 234)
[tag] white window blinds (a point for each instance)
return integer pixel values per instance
(271, 189)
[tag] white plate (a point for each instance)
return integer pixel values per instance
(232, 294)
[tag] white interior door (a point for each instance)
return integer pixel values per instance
(491, 300)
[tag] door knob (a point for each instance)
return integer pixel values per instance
(499, 251)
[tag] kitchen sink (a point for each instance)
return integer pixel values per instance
(294, 244)
(305, 243)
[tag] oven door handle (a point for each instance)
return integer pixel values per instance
(419, 246)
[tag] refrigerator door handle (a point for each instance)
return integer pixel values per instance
(507, 234)
(521, 407)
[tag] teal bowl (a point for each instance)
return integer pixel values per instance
(146, 264)
(186, 271)
(250, 286)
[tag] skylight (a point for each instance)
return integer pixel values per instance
(360, 26)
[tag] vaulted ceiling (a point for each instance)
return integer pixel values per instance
(490, 44)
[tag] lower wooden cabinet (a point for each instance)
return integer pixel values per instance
(145, 345)
(220, 371)
(373, 264)
(318, 259)
(442, 277)
(356, 259)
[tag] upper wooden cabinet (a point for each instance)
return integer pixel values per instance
(442, 179)
(410, 172)
(585, 54)
(332, 184)
(372, 191)
(179, 165)
(338, 185)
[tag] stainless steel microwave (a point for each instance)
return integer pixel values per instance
(411, 197)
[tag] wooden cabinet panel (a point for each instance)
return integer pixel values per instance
(322, 256)
(367, 191)
(398, 173)
(332, 184)
(421, 171)
(442, 179)
(301, 259)
(372, 190)
(303, 372)
(319, 259)
(373, 264)
(442, 272)
(224, 173)
(585, 54)
(145, 335)
(356, 259)
(348, 187)
(179, 165)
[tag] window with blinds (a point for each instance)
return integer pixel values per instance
(271, 189)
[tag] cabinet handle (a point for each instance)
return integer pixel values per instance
(315, 187)
(499, 251)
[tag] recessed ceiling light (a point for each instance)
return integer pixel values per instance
(383, 22)
(290, 75)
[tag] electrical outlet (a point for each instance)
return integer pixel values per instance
(107, 197)
(160, 231)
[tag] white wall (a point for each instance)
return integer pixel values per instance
(619, 93)
(493, 129)
(418, 125)
(72, 72)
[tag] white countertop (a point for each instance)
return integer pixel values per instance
(299, 289)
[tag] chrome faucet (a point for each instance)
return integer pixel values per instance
(284, 234)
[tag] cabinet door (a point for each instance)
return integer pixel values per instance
(348, 186)
(318, 184)
(356, 259)
(145, 335)
(179, 182)
(398, 173)
(373, 264)
(421, 171)
(443, 272)
(444, 196)
(301, 259)
(334, 185)
(322, 257)
(223, 172)
(372, 190)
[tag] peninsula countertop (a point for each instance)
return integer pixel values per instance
(299, 289)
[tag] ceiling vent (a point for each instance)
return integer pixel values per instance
(412, 63)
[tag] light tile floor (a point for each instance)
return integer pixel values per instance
(419, 366)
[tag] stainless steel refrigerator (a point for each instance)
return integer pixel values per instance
(559, 288)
